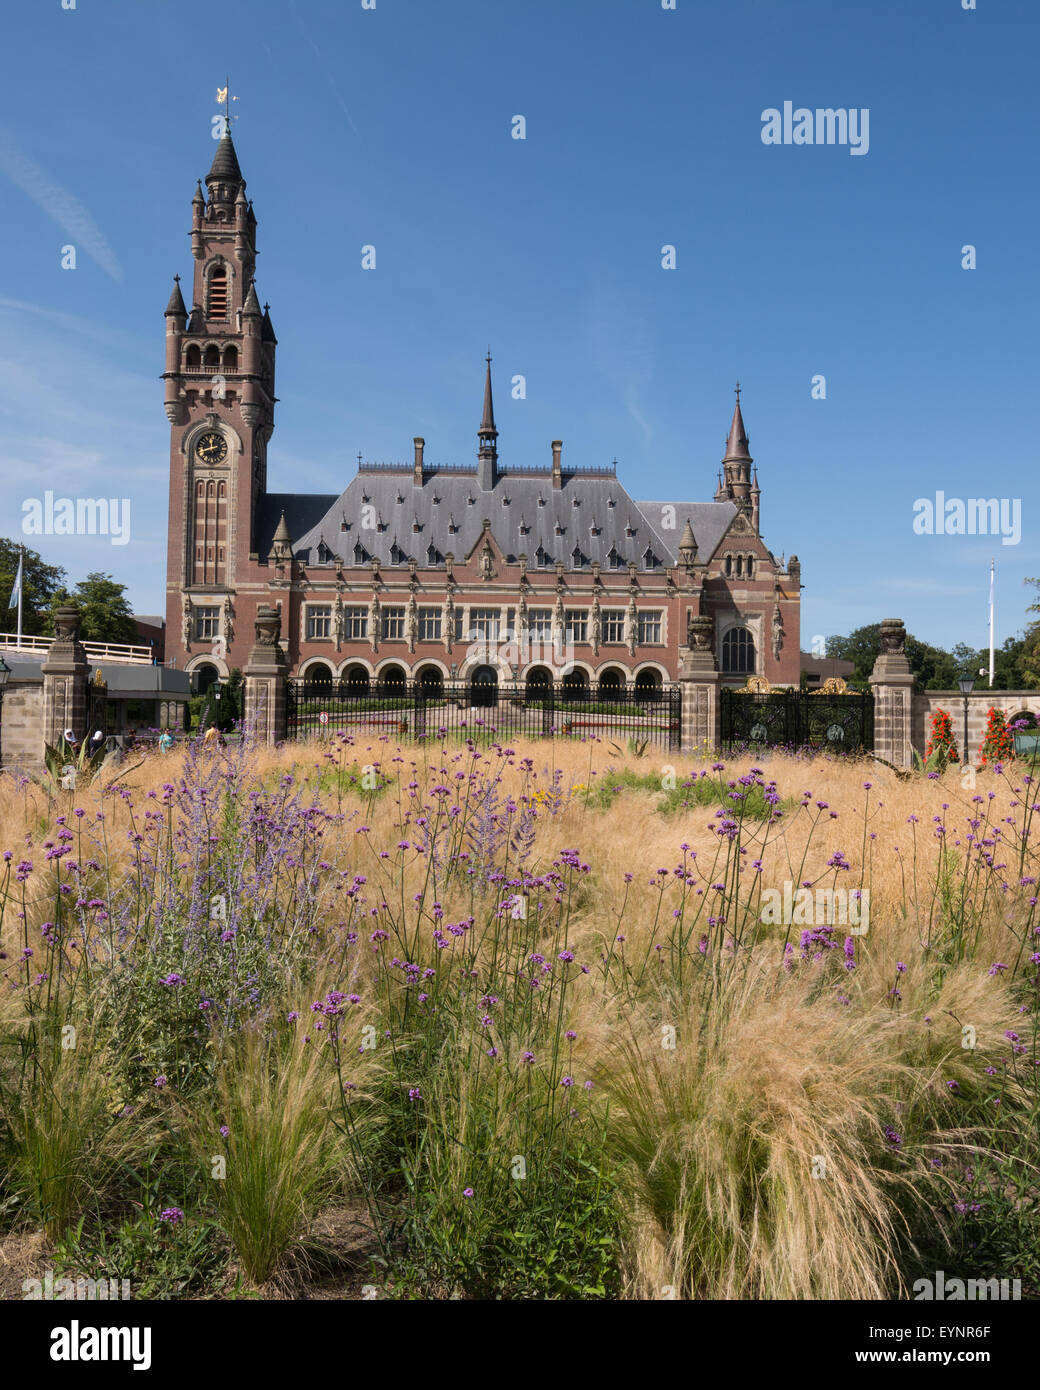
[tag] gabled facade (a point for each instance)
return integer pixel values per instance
(526, 572)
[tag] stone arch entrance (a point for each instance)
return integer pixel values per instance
(483, 687)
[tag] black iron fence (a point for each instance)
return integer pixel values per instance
(510, 709)
(798, 719)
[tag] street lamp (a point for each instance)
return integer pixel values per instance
(5, 673)
(967, 685)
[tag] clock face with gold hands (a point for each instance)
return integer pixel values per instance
(212, 447)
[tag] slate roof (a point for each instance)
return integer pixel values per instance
(581, 504)
(302, 511)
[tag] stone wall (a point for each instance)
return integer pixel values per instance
(21, 725)
(1012, 703)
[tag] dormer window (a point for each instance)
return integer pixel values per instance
(433, 556)
(559, 529)
(578, 560)
(629, 530)
(324, 554)
(650, 560)
(541, 501)
(397, 555)
(610, 502)
(344, 525)
(594, 530)
(524, 529)
(614, 560)
(400, 499)
(360, 554)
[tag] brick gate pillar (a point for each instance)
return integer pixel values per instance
(66, 676)
(266, 675)
(892, 682)
(699, 686)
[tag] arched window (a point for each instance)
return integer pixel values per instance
(231, 358)
(212, 356)
(217, 293)
(738, 652)
(356, 680)
(729, 565)
(751, 567)
(740, 566)
(193, 357)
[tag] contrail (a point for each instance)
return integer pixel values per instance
(60, 205)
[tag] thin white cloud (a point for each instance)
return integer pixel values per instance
(60, 205)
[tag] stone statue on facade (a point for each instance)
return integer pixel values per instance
(630, 627)
(778, 632)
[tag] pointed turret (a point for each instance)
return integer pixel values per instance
(736, 462)
(737, 443)
(756, 495)
(687, 546)
(175, 307)
(281, 543)
(176, 317)
(487, 455)
(225, 169)
(251, 308)
(267, 327)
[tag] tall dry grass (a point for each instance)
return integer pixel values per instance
(753, 1159)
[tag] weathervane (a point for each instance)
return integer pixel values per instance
(223, 95)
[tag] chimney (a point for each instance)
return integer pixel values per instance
(557, 472)
(420, 444)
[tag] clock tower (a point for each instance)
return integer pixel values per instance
(219, 398)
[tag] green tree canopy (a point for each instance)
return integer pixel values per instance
(107, 616)
(934, 668)
(40, 583)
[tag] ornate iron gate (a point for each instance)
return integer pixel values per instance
(833, 718)
(506, 709)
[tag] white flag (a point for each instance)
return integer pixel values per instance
(16, 591)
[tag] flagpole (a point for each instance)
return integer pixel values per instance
(21, 586)
(992, 572)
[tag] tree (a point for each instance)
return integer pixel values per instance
(933, 667)
(106, 614)
(40, 583)
(1029, 662)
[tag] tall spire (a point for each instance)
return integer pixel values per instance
(487, 425)
(737, 443)
(487, 455)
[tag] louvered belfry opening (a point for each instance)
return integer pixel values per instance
(217, 305)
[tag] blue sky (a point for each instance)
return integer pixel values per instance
(392, 127)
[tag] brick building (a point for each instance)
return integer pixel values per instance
(485, 571)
